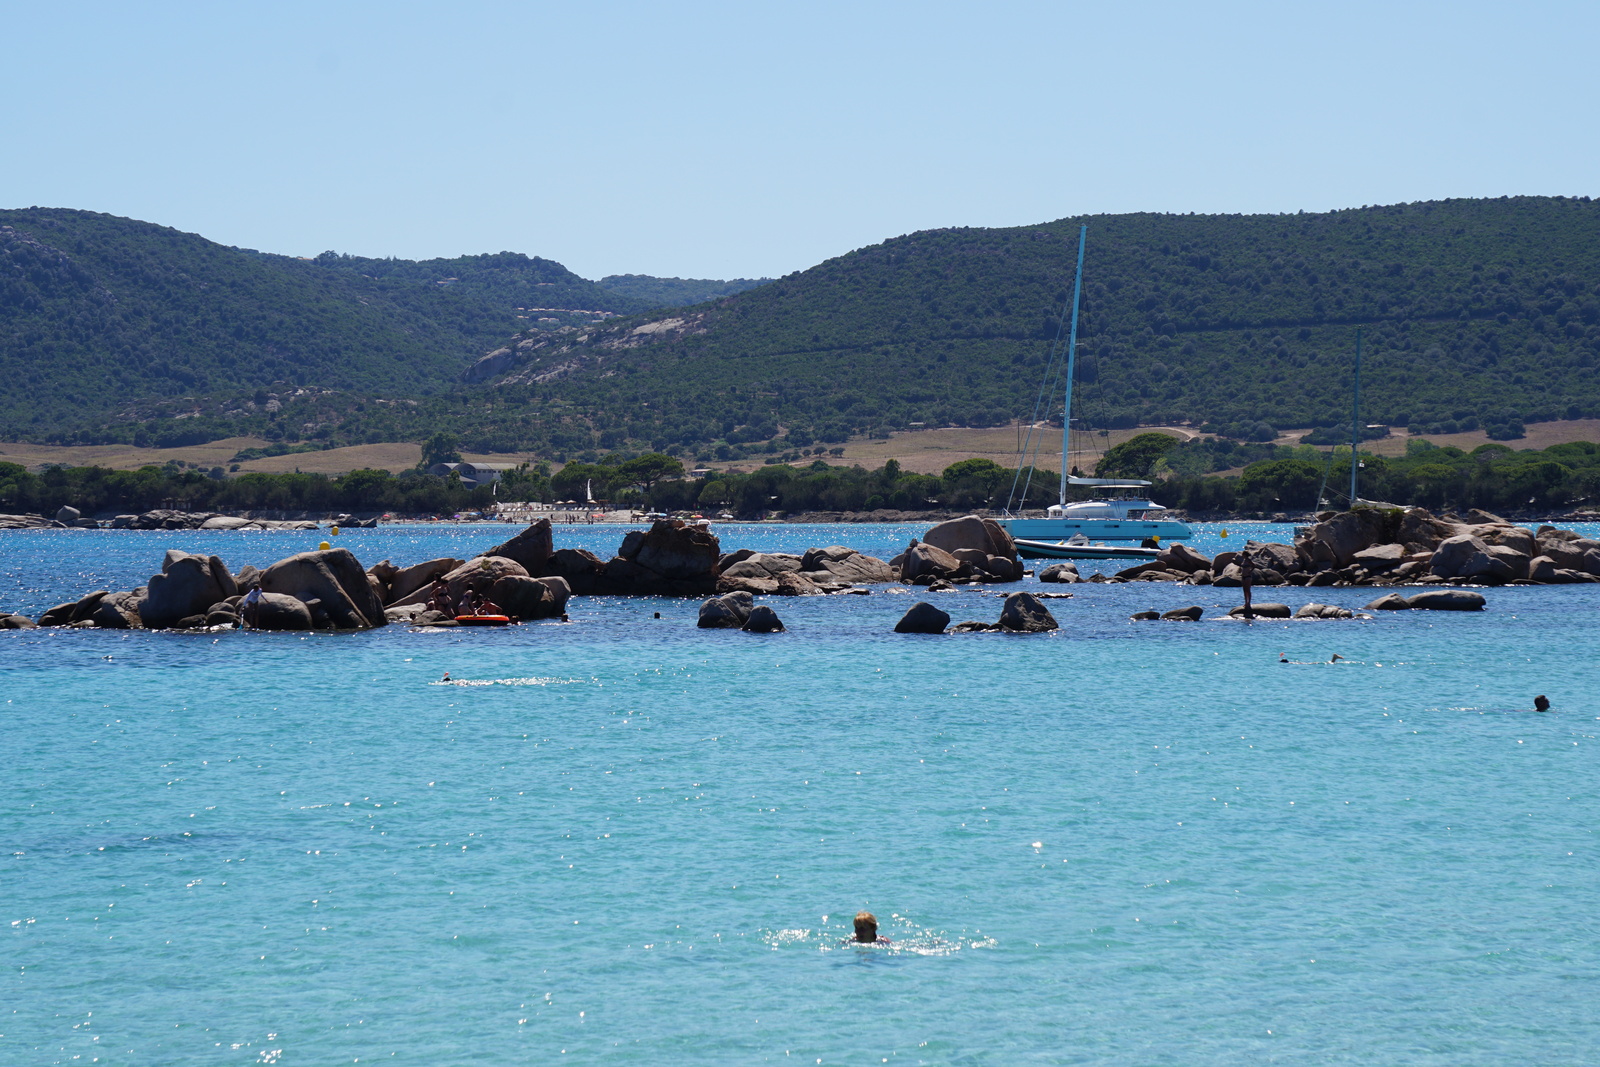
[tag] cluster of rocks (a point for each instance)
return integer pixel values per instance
(1383, 546)
(738, 611)
(1023, 613)
(170, 519)
(968, 550)
(1193, 612)
(834, 569)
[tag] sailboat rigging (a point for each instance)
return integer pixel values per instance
(1073, 525)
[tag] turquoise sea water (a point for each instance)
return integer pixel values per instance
(627, 840)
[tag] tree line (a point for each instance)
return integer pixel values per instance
(1492, 476)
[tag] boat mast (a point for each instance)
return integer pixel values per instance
(1355, 422)
(1072, 353)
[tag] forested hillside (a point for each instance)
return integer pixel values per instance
(1475, 313)
(676, 292)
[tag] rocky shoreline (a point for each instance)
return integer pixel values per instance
(529, 578)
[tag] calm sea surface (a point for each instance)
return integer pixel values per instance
(626, 840)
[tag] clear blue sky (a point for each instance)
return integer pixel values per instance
(758, 138)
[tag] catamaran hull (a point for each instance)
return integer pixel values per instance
(1096, 529)
(1050, 550)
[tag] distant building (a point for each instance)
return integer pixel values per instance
(474, 474)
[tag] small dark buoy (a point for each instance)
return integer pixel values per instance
(1541, 703)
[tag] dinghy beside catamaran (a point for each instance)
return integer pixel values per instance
(1069, 530)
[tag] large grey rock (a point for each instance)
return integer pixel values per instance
(522, 597)
(847, 564)
(1271, 556)
(1191, 613)
(280, 611)
(1026, 613)
(1180, 557)
(923, 618)
(187, 585)
(765, 565)
(16, 622)
(479, 575)
(726, 612)
(225, 522)
(1267, 610)
(1446, 600)
(1065, 572)
(762, 620)
(333, 577)
(1380, 557)
(1461, 556)
(965, 532)
(1389, 602)
(1514, 562)
(581, 568)
(560, 591)
(1324, 611)
(1542, 569)
(680, 552)
(927, 561)
(68, 516)
(532, 547)
(117, 611)
(412, 584)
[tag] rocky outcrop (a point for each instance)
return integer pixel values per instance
(1446, 600)
(532, 547)
(10, 621)
(762, 620)
(964, 549)
(523, 597)
(923, 618)
(846, 565)
(187, 585)
(726, 612)
(1191, 613)
(330, 583)
(1065, 572)
(1026, 613)
(1325, 611)
(1263, 611)
(280, 611)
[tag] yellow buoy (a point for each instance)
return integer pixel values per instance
(1224, 533)
(324, 546)
(334, 531)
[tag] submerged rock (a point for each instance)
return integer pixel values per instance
(1065, 572)
(1446, 600)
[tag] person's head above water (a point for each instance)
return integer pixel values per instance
(1541, 703)
(866, 926)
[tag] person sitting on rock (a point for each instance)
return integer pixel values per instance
(467, 605)
(867, 930)
(489, 607)
(439, 597)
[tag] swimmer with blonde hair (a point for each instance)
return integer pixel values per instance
(867, 930)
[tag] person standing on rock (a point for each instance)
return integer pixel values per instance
(250, 608)
(1247, 575)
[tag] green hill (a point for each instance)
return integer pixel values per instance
(1475, 313)
(99, 314)
(676, 292)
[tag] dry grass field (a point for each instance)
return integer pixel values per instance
(922, 451)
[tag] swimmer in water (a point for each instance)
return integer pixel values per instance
(446, 677)
(1336, 658)
(867, 930)
(1283, 657)
(1541, 703)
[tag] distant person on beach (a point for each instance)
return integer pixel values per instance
(1247, 576)
(867, 930)
(1541, 703)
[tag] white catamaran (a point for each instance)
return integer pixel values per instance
(1069, 530)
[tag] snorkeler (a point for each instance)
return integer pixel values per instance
(867, 930)
(1541, 703)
